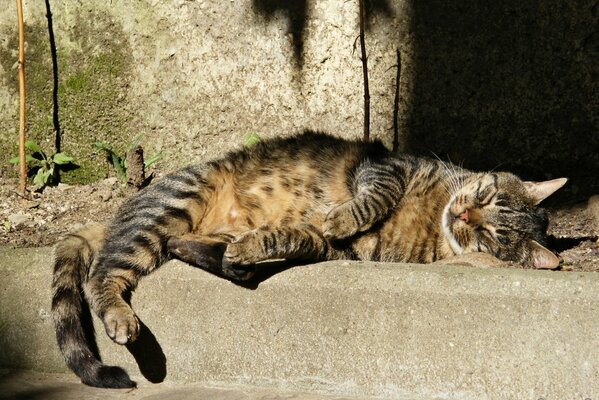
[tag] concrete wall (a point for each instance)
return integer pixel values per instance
(195, 77)
(506, 83)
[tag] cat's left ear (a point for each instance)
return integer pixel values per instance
(539, 191)
(541, 257)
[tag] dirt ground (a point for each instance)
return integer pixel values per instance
(40, 219)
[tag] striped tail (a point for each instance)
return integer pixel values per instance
(73, 258)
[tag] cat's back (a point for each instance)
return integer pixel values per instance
(311, 147)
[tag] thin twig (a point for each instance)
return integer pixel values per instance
(22, 166)
(396, 105)
(365, 72)
(21, 195)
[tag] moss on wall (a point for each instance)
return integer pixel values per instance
(94, 60)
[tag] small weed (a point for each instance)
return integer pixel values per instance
(43, 167)
(119, 162)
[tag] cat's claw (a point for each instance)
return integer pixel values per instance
(121, 324)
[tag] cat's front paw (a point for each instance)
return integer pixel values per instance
(121, 324)
(241, 255)
(238, 272)
(245, 249)
(339, 223)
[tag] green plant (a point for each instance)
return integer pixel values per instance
(46, 168)
(119, 162)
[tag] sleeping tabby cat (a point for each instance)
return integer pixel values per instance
(311, 197)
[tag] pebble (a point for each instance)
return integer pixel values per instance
(74, 227)
(18, 219)
(29, 204)
(39, 221)
(105, 195)
(43, 314)
(110, 182)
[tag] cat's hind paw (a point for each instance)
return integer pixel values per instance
(121, 324)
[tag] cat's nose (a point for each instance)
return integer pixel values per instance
(464, 216)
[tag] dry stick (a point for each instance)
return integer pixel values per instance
(396, 105)
(365, 71)
(22, 166)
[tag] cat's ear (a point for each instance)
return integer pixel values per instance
(539, 191)
(541, 257)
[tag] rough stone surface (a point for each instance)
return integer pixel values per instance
(511, 84)
(31, 385)
(195, 77)
(343, 328)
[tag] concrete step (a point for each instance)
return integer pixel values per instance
(33, 385)
(338, 328)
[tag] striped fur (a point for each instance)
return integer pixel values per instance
(311, 197)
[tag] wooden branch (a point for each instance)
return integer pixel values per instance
(396, 105)
(22, 165)
(365, 72)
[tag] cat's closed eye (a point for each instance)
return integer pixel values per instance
(501, 200)
(486, 194)
(486, 233)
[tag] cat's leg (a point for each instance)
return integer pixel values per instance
(303, 241)
(377, 189)
(136, 245)
(199, 250)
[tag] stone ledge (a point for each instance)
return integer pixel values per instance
(343, 328)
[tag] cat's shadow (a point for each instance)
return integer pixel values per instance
(148, 355)
(266, 270)
(263, 271)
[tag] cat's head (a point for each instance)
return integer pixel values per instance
(497, 213)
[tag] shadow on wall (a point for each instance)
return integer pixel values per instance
(296, 12)
(510, 85)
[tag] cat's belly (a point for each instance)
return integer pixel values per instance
(230, 215)
(286, 195)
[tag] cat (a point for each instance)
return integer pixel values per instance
(308, 197)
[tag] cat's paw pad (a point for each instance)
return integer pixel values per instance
(121, 324)
(339, 223)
